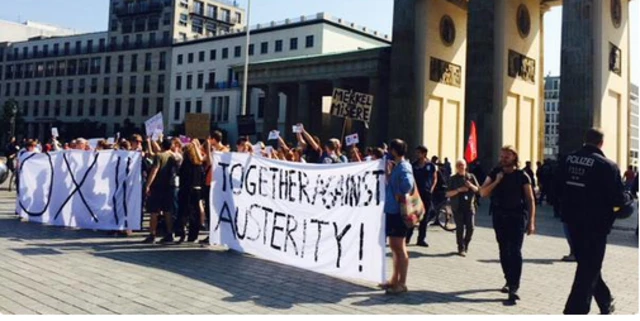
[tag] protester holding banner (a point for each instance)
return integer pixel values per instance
(159, 191)
(310, 145)
(213, 143)
(192, 178)
(399, 183)
(354, 154)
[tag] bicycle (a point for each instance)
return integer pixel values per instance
(442, 214)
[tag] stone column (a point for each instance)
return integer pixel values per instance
(272, 110)
(595, 75)
(291, 115)
(303, 103)
(372, 134)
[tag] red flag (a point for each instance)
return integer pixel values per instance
(471, 153)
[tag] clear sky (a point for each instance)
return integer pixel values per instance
(91, 15)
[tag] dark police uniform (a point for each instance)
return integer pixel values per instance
(589, 187)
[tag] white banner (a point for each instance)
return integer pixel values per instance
(90, 190)
(324, 218)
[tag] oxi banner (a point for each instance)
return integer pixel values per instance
(89, 190)
(324, 218)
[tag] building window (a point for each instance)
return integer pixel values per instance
(189, 82)
(187, 107)
(147, 62)
(16, 92)
(159, 104)
(251, 49)
(154, 23)
(166, 19)
(69, 106)
(37, 89)
(145, 106)
(160, 84)
(212, 54)
(152, 39)
(264, 48)
(146, 86)
(176, 111)
(225, 53)
(132, 84)
(197, 26)
(106, 85)
(120, 63)
(107, 65)
(183, 20)
(278, 45)
(163, 61)
(178, 82)
(190, 58)
(80, 107)
(131, 110)
(105, 107)
(47, 87)
(58, 87)
(134, 63)
(201, 55)
(92, 107)
(36, 108)
(47, 107)
(180, 59)
(238, 18)
(200, 81)
(94, 85)
(27, 88)
(237, 51)
(119, 85)
(118, 108)
(199, 106)
(309, 42)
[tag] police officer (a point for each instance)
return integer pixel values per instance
(514, 214)
(591, 190)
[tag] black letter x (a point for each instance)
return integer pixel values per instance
(77, 188)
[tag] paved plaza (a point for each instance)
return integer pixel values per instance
(53, 270)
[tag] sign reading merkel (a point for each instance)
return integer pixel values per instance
(351, 104)
(324, 218)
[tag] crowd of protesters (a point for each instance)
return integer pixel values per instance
(177, 175)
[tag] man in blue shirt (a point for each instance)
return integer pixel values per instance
(425, 175)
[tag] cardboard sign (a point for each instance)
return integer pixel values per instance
(274, 135)
(352, 139)
(297, 129)
(197, 125)
(246, 125)
(351, 104)
(184, 140)
(154, 124)
(54, 132)
(156, 134)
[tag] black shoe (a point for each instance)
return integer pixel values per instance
(423, 244)
(167, 239)
(612, 307)
(149, 240)
(505, 289)
(180, 238)
(513, 296)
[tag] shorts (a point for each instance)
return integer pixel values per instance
(395, 226)
(161, 200)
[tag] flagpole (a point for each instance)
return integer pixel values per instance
(245, 82)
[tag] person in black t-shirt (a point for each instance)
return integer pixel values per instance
(424, 173)
(511, 202)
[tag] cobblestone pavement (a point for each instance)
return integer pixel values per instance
(52, 270)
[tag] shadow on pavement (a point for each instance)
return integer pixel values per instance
(245, 278)
(426, 297)
(531, 261)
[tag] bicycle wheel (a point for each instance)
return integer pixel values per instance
(445, 217)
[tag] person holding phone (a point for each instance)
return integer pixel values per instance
(514, 213)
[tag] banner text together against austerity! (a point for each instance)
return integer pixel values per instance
(324, 218)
